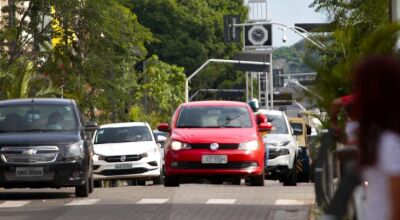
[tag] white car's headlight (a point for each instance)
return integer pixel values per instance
(97, 157)
(75, 151)
(250, 145)
(279, 144)
(177, 145)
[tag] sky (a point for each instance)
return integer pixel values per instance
(289, 12)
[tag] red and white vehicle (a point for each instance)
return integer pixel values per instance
(214, 139)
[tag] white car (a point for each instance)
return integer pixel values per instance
(281, 147)
(126, 151)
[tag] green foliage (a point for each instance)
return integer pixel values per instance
(359, 29)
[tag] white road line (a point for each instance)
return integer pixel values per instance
(13, 204)
(82, 202)
(152, 201)
(221, 201)
(288, 202)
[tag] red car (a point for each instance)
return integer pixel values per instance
(214, 139)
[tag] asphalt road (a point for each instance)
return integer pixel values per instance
(189, 201)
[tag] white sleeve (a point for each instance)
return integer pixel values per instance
(389, 153)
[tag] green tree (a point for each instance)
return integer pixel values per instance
(357, 29)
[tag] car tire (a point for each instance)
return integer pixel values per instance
(171, 181)
(291, 178)
(160, 179)
(257, 180)
(98, 184)
(83, 190)
(91, 184)
(141, 182)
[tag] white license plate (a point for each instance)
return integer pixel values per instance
(220, 159)
(123, 166)
(29, 171)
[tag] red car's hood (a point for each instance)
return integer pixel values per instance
(211, 135)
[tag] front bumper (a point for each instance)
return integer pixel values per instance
(189, 163)
(56, 174)
(145, 168)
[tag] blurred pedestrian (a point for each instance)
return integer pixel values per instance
(260, 118)
(377, 82)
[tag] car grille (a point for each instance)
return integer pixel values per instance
(29, 155)
(123, 172)
(231, 165)
(124, 158)
(221, 146)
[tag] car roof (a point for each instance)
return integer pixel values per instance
(36, 101)
(271, 112)
(214, 103)
(123, 124)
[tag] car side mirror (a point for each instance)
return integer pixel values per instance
(90, 126)
(161, 138)
(265, 127)
(164, 127)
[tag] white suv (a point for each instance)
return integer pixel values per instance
(126, 151)
(281, 147)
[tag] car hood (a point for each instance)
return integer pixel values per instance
(37, 138)
(277, 138)
(126, 148)
(211, 135)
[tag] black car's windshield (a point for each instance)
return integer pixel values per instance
(279, 125)
(122, 134)
(214, 117)
(37, 118)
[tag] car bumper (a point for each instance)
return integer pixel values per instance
(284, 160)
(189, 163)
(57, 174)
(145, 168)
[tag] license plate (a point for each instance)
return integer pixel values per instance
(123, 166)
(29, 171)
(220, 159)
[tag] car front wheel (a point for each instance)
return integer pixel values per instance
(83, 190)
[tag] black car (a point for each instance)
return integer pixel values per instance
(44, 143)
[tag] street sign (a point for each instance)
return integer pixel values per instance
(231, 33)
(252, 56)
(258, 35)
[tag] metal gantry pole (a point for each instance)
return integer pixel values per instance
(271, 82)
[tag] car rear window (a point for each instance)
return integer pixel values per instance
(122, 134)
(214, 117)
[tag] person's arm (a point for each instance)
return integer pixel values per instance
(395, 197)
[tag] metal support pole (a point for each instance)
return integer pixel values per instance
(247, 86)
(266, 90)
(271, 83)
(251, 85)
(259, 85)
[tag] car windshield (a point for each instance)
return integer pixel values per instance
(122, 134)
(278, 124)
(214, 117)
(37, 118)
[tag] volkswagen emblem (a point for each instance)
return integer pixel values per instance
(214, 146)
(123, 158)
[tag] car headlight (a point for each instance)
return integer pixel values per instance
(279, 144)
(97, 157)
(177, 145)
(75, 151)
(250, 145)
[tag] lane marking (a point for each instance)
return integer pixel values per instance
(13, 204)
(82, 202)
(221, 201)
(152, 201)
(288, 202)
